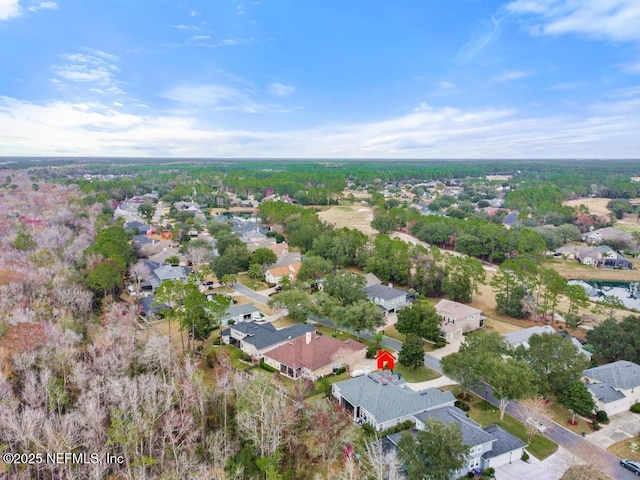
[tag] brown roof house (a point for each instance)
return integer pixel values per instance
(314, 356)
(458, 318)
(275, 274)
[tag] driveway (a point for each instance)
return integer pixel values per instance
(551, 468)
(252, 294)
(621, 426)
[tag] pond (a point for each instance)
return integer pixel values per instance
(628, 292)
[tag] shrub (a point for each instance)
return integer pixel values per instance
(266, 367)
(369, 430)
(489, 472)
(595, 425)
(441, 342)
(340, 371)
(602, 416)
(372, 351)
(525, 456)
(245, 357)
(462, 405)
(635, 408)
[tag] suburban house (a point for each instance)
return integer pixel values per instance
(275, 274)
(279, 248)
(371, 279)
(521, 337)
(246, 312)
(602, 256)
(458, 318)
(603, 235)
(256, 339)
(615, 386)
(314, 356)
(389, 299)
(383, 400)
(490, 446)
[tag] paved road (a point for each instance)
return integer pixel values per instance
(252, 294)
(567, 439)
(432, 362)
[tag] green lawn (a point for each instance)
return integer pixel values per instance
(561, 415)
(244, 279)
(340, 335)
(486, 414)
(421, 374)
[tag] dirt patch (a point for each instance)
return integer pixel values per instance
(357, 216)
(595, 205)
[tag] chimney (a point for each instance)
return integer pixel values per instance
(308, 337)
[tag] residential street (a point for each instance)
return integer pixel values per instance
(252, 294)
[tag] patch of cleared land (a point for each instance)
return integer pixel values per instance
(573, 270)
(356, 216)
(595, 205)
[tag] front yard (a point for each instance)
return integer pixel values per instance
(256, 285)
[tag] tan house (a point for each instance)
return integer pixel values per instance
(275, 274)
(314, 356)
(458, 318)
(615, 386)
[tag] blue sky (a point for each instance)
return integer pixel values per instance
(330, 78)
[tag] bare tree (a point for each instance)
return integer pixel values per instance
(532, 409)
(381, 465)
(198, 256)
(264, 413)
(138, 272)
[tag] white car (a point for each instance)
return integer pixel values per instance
(539, 426)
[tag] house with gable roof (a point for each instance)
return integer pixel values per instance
(521, 337)
(458, 318)
(255, 339)
(615, 386)
(490, 446)
(389, 299)
(314, 356)
(383, 400)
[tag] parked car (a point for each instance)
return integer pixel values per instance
(539, 426)
(631, 465)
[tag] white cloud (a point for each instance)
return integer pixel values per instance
(479, 41)
(43, 5)
(92, 67)
(605, 130)
(510, 76)
(631, 67)
(280, 89)
(608, 19)
(9, 9)
(230, 93)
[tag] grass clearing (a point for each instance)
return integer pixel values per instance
(629, 448)
(358, 216)
(561, 415)
(244, 279)
(421, 374)
(283, 322)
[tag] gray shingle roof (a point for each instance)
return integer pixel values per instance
(167, 272)
(384, 292)
(266, 335)
(620, 374)
(390, 401)
(522, 336)
(234, 310)
(605, 392)
(472, 434)
(147, 307)
(505, 442)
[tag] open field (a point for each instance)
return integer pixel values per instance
(573, 270)
(595, 205)
(356, 216)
